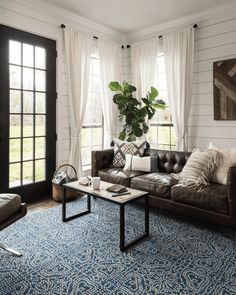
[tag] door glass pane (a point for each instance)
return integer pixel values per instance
(27, 148)
(27, 125)
(15, 101)
(40, 82)
(28, 79)
(40, 102)
(40, 170)
(14, 175)
(27, 113)
(27, 172)
(40, 125)
(28, 55)
(15, 77)
(14, 52)
(40, 147)
(40, 58)
(28, 102)
(15, 125)
(15, 150)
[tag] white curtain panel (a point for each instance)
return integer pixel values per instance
(179, 58)
(144, 65)
(78, 48)
(110, 70)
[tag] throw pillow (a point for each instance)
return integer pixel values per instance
(121, 148)
(145, 164)
(198, 169)
(227, 158)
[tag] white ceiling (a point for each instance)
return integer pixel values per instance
(127, 16)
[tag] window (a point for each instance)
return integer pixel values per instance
(161, 132)
(92, 130)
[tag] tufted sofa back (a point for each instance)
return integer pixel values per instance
(170, 161)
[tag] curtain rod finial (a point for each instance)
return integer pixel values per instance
(63, 26)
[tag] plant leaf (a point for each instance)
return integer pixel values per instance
(159, 106)
(141, 113)
(122, 135)
(128, 87)
(131, 137)
(160, 101)
(115, 86)
(153, 93)
(145, 128)
(138, 132)
(117, 98)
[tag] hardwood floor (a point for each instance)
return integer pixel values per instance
(42, 205)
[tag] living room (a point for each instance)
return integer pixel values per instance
(73, 66)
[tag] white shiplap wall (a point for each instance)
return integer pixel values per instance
(126, 76)
(214, 40)
(126, 65)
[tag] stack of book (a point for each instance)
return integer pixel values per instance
(118, 190)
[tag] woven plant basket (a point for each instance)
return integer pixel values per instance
(57, 189)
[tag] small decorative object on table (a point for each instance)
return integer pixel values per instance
(85, 180)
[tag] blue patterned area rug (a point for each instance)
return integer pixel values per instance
(82, 256)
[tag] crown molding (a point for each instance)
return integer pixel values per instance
(159, 29)
(54, 16)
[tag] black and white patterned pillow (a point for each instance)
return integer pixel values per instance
(121, 148)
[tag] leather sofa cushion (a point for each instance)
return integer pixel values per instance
(212, 197)
(170, 161)
(158, 184)
(117, 175)
(9, 204)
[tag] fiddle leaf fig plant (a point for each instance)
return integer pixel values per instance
(134, 113)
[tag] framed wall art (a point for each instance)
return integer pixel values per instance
(225, 89)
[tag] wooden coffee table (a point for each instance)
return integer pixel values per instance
(103, 194)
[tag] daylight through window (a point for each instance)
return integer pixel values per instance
(92, 130)
(161, 133)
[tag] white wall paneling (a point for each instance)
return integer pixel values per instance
(126, 65)
(215, 40)
(126, 75)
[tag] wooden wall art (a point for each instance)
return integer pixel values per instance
(225, 89)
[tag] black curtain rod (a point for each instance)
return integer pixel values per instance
(127, 46)
(63, 27)
(194, 26)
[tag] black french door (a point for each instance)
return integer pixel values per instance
(27, 113)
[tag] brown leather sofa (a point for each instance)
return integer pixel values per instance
(215, 203)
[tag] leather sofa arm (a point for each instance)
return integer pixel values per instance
(101, 159)
(232, 191)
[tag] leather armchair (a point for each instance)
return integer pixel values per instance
(16, 211)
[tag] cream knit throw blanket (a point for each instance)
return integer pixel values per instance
(198, 169)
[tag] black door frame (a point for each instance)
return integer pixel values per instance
(35, 191)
